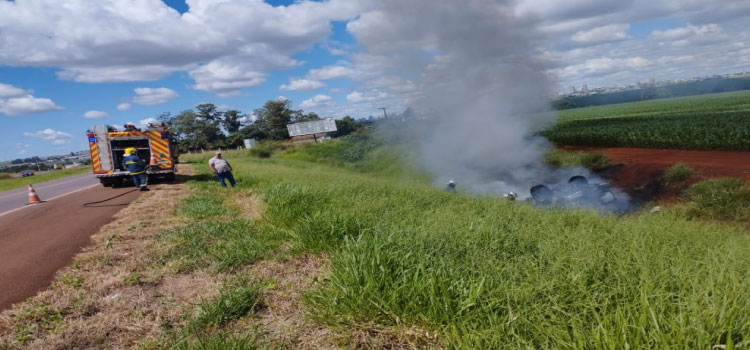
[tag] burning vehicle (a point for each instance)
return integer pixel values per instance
(577, 192)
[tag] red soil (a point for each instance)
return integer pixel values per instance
(637, 170)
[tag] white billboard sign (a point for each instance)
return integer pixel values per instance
(249, 143)
(313, 127)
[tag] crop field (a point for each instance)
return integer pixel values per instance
(707, 122)
(464, 272)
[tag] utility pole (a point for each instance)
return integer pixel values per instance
(384, 112)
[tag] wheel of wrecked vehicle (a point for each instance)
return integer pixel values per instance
(578, 181)
(542, 194)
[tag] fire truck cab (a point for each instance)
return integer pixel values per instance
(153, 144)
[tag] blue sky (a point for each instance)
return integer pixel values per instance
(54, 69)
(77, 98)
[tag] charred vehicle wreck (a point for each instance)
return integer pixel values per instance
(577, 192)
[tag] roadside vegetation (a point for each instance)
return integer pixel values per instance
(417, 266)
(12, 182)
(678, 174)
(706, 122)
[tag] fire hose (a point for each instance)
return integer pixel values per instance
(91, 204)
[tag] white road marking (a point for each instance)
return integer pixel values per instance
(55, 197)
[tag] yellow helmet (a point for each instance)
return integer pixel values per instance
(130, 150)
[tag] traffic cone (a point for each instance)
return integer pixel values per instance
(153, 160)
(33, 197)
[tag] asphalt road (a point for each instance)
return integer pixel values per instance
(13, 199)
(37, 240)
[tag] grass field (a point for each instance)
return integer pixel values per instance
(466, 272)
(18, 182)
(706, 122)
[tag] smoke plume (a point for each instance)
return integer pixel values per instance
(481, 94)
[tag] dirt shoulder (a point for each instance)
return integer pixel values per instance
(114, 294)
(123, 292)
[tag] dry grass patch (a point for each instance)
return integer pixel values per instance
(248, 204)
(116, 293)
(284, 320)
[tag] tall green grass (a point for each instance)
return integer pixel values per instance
(485, 273)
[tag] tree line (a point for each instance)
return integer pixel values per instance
(206, 127)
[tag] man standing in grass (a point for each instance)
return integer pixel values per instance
(222, 169)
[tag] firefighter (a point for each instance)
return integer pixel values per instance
(136, 167)
(451, 186)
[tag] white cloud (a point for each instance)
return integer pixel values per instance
(301, 85)
(145, 122)
(224, 45)
(17, 101)
(316, 101)
(227, 77)
(684, 32)
(8, 91)
(124, 106)
(153, 96)
(95, 114)
(604, 34)
(331, 72)
(53, 136)
(374, 95)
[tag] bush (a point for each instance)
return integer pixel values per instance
(260, 152)
(723, 199)
(265, 149)
(235, 300)
(678, 173)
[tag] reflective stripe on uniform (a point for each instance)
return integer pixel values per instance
(140, 172)
(131, 162)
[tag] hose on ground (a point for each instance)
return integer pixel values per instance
(91, 204)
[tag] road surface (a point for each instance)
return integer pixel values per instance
(37, 240)
(14, 199)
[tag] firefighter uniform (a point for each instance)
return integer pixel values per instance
(137, 169)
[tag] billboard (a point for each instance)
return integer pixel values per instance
(313, 127)
(249, 143)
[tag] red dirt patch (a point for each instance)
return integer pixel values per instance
(638, 170)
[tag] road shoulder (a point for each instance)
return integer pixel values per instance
(115, 293)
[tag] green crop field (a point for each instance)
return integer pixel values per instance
(706, 122)
(478, 272)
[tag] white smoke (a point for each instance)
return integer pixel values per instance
(480, 89)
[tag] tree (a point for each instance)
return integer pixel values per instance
(346, 126)
(208, 112)
(232, 121)
(197, 130)
(301, 117)
(273, 118)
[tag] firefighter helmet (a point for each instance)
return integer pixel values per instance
(130, 150)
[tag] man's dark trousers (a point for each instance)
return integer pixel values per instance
(227, 175)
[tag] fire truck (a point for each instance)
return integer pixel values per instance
(153, 144)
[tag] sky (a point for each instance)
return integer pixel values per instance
(66, 65)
